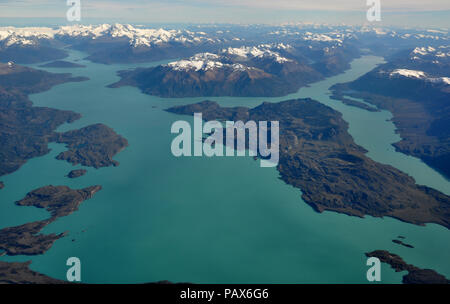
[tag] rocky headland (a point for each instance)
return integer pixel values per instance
(20, 273)
(59, 201)
(418, 100)
(26, 130)
(318, 156)
(415, 274)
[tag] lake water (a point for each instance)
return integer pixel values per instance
(209, 220)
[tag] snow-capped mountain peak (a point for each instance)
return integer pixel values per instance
(424, 50)
(409, 73)
(431, 54)
(202, 61)
(10, 36)
(261, 51)
(205, 62)
(136, 36)
(18, 40)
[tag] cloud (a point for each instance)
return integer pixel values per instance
(329, 5)
(223, 11)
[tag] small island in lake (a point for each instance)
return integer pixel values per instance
(76, 173)
(399, 242)
(91, 146)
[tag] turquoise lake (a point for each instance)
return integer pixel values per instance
(209, 220)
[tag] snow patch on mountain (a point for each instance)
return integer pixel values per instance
(321, 37)
(409, 73)
(233, 57)
(202, 61)
(206, 62)
(445, 80)
(260, 51)
(419, 75)
(424, 50)
(431, 54)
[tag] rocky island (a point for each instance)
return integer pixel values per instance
(58, 200)
(92, 146)
(415, 275)
(76, 173)
(318, 156)
(2, 185)
(399, 242)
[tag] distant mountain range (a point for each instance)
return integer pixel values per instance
(124, 43)
(105, 43)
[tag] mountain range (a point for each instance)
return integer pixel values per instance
(262, 70)
(125, 43)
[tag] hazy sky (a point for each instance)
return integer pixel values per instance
(400, 12)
